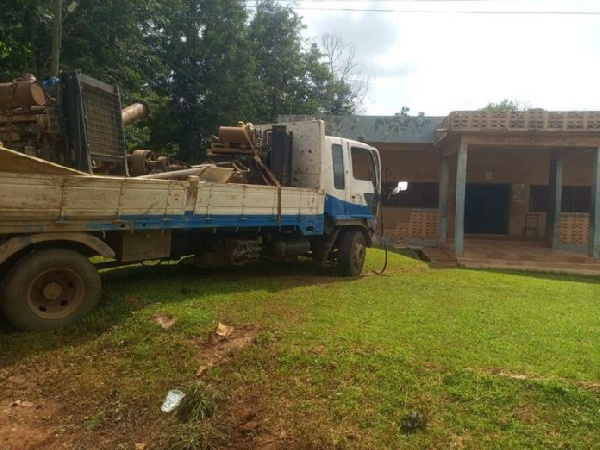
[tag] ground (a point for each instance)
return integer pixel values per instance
(416, 358)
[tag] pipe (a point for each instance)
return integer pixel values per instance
(21, 94)
(134, 112)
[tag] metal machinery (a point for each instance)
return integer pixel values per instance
(73, 120)
(263, 157)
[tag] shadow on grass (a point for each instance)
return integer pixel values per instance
(554, 276)
(166, 283)
(413, 254)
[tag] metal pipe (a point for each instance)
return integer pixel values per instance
(176, 173)
(134, 112)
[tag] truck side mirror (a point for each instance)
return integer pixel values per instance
(402, 186)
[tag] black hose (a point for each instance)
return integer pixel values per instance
(385, 264)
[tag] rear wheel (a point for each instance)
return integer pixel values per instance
(49, 289)
(352, 250)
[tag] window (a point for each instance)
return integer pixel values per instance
(538, 199)
(338, 166)
(418, 195)
(362, 164)
(574, 199)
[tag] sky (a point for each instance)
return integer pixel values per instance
(436, 62)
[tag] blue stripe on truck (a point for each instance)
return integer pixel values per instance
(340, 209)
(307, 224)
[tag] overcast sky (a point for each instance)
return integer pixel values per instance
(439, 62)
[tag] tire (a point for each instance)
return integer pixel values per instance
(352, 249)
(50, 289)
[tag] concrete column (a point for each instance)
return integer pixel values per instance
(443, 199)
(554, 203)
(461, 189)
(594, 235)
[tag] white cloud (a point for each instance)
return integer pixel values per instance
(441, 62)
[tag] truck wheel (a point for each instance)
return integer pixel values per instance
(351, 253)
(50, 289)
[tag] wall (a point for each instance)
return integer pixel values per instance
(518, 167)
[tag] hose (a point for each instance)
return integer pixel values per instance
(385, 263)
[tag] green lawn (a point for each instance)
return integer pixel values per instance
(417, 358)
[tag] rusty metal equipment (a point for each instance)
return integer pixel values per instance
(73, 120)
(263, 155)
(145, 162)
(21, 94)
(134, 112)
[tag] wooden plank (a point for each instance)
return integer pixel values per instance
(461, 189)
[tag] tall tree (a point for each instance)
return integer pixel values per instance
(349, 85)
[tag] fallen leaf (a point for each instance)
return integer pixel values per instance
(165, 321)
(249, 426)
(140, 446)
(224, 330)
(203, 369)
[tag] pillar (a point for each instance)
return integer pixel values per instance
(554, 203)
(461, 189)
(443, 199)
(594, 235)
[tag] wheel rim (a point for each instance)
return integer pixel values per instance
(359, 254)
(56, 293)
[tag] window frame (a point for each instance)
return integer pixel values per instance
(337, 158)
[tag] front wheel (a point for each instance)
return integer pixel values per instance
(352, 249)
(49, 289)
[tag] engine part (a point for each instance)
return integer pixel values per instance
(280, 156)
(243, 136)
(21, 94)
(141, 162)
(289, 247)
(134, 112)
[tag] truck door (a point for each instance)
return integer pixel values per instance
(363, 181)
(340, 196)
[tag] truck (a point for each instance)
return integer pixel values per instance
(67, 194)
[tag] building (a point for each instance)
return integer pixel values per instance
(529, 176)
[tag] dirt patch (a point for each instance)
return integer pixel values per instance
(591, 385)
(222, 343)
(25, 425)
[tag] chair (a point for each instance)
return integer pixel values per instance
(532, 226)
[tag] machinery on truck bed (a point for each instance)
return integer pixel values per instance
(271, 192)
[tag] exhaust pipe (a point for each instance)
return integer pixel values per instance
(134, 112)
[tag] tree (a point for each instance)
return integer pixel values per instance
(503, 106)
(349, 85)
(199, 63)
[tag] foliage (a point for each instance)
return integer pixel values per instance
(199, 63)
(504, 106)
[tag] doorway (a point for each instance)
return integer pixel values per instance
(487, 208)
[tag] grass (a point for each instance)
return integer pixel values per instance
(416, 358)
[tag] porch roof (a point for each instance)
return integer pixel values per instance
(525, 128)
